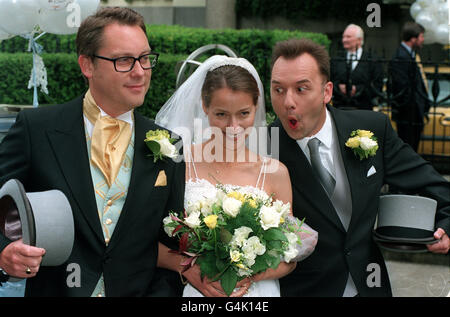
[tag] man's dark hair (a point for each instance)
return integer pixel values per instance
(410, 30)
(90, 34)
(293, 48)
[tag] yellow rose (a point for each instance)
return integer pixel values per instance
(237, 195)
(235, 256)
(252, 203)
(353, 142)
(210, 221)
(365, 133)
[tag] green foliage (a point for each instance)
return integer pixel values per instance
(174, 43)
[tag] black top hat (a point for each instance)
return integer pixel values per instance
(41, 219)
(405, 223)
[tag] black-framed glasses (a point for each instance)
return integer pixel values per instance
(125, 64)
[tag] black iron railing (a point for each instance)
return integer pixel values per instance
(435, 139)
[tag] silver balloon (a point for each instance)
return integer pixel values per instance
(442, 13)
(415, 9)
(68, 20)
(425, 19)
(18, 17)
(54, 4)
(55, 21)
(5, 35)
(88, 7)
(442, 34)
(429, 37)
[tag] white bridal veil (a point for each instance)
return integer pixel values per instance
(183, 113)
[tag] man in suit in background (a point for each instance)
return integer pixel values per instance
(409, 87)
(93, 150)
(339, 196)
(354, 73)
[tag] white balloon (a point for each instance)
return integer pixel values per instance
(5, 35)
(415, 9)
(55, 21)
(425, 19)
(423, 3)
(54, 4)
(442, 13)
(88, 7)
(18, 16)
(429, 37)
(68, 20)
(442, 34)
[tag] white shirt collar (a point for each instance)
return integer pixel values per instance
(325, 135)
(409, 49)
(358, 53)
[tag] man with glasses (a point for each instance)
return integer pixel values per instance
(93, 150)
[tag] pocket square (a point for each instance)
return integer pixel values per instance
(371, 171)
(161, 180)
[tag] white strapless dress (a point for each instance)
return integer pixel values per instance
(200, 189)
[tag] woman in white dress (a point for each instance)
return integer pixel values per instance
(226, 96)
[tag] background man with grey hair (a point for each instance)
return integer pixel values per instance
(354, 73)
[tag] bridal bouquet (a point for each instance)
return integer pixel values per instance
(235, 234)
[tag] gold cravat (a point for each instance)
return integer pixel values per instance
(422, 73)
(109, 141)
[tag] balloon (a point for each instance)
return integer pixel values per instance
(442, 13)
(442, 34)
(88, 7)
(55, 21)
(429, 37)
(423, 3)
(18, 16)
(54, 4)
(425, 19)
(415, 9)
(5, 35)
(68, 20)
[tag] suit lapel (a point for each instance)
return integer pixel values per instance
(352, 164)
(69, 145)
(304, 180)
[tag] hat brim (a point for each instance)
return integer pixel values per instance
(404, 234)
(402, 247)
(17, 213)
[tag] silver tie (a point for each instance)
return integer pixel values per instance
(326, 179)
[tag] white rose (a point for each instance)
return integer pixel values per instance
(206, 207)
(193, 221)
(289, 254)
(167, 148)
(282, 208)
(292, 238)
(270, 218)
(367, 144)
(168, 230)
(240, 236)
(193, 206)
(235, 255)
(231, 206)
(254, 245)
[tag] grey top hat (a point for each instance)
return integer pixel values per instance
(405, 222)
(41, 219)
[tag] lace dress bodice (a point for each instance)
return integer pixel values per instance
(199, 189)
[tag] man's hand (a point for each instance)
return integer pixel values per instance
(17, 257)
(343, 89)
(443, 245)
